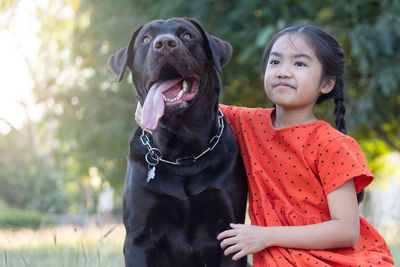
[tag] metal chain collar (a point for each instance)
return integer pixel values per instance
(154, 156)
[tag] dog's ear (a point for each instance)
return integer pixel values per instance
(124, 57)
(220, 51)
(118, 62)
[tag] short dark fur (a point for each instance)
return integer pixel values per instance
(174, 219)
(330, 54)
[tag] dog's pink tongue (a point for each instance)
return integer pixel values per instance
(153, 107)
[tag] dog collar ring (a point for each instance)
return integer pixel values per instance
(154, 156)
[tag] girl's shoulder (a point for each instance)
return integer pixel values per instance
(324, 138)
(338, 158)
(325, 133)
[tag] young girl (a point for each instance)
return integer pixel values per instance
(303, 174)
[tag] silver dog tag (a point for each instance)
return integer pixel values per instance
(151, 173)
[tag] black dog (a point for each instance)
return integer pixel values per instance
(185, 182)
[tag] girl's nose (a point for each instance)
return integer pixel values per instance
(283, 72)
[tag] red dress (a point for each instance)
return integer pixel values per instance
(290, 171)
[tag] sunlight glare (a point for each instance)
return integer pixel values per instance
(18, 43)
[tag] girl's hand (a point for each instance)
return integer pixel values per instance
(243, 239)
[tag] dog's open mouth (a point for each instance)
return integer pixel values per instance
(175, 88)
(171, 90)
(185, 90)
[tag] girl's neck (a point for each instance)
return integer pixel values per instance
(284, 118)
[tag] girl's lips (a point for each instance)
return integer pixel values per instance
(282, 84)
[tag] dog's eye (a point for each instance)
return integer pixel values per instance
(187, 36)
(146, 39)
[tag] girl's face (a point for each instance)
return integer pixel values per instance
(293, 73)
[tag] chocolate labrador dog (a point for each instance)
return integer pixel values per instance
(185, 182)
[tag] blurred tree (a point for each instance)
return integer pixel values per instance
(89, 117)
(28, 180)
(97, 118)
(368, 30)
(30, 174)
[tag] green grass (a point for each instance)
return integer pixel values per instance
(64, 247)
(74, 247)
(61, 256)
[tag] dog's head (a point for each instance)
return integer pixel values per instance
(171, 62)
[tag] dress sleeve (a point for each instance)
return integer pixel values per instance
(232, 114)
(341, 161)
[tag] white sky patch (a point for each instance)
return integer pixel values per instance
(18, 43)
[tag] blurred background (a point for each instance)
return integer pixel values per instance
(65, 122)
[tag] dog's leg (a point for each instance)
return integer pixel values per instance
(134, 256)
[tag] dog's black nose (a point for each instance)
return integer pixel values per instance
(165, 42)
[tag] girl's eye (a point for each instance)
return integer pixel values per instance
(274, 62)
(300, 64)
(187, 36)
(146, 39)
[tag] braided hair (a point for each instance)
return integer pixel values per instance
(330, 54)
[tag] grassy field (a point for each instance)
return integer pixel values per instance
(70, 246)
(63, 246)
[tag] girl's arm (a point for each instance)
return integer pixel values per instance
(341, 231)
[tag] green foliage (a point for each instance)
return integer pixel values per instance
(95, 115)
(98, 115)
(375, 48)
(17, 218)
(103, 119)
(28, 181)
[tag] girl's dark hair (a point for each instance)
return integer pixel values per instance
(330, 54)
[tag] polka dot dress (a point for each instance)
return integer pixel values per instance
(290, 171)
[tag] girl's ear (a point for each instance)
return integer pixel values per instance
(328, 84)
